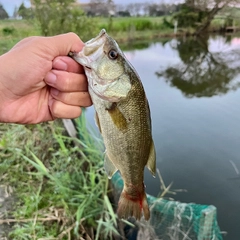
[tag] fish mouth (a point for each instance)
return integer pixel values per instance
(87, 67)
(96, 39)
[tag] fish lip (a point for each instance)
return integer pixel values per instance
(87, 67)
(102, 32)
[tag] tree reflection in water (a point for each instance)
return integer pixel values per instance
(203, 73)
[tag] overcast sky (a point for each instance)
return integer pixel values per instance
(9, 5)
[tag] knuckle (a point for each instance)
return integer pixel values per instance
(66, 98)
(73, 35)
(54, 109)
(63, 82)
(61, 110)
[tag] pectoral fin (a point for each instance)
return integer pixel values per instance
(117, 117)
(151, 164)
(109, 166)
(97, 122)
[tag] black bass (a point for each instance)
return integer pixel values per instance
(123, 118)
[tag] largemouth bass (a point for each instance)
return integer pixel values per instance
(123, 118)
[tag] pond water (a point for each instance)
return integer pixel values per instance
(192, 88)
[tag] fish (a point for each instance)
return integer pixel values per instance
(122, 115)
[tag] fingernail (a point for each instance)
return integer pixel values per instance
(51, 78)
(59, 64)
(54, 91)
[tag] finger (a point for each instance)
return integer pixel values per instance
(81, 99)
(67, 82)
(61, 110)
(66, 63)
(62, 44)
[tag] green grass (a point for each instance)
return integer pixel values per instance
(123, 29)
(18, 29)
(59, 184)
(12, 31)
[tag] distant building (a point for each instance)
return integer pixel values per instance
(93, 9)
(98, 9)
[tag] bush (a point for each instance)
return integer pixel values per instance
(56, 17)
(8, 31)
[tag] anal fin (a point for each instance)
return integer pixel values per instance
(151, 163)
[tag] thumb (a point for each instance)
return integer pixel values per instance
(61, 45)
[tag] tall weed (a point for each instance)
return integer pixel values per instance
(60, 187)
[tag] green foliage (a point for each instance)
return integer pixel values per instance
(188, 17)
(59, 182)
(25, 13)
(12, 31)
(167, 24)
(56, 17)
(8, 31)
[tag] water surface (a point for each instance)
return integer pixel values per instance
(193, 90)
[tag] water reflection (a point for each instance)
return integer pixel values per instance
(204, 71)
(133, 45)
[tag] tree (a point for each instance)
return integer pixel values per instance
(102, 8)
(135, 9)
(162, 9)
(3, 13)
(211, 8)
(61, 16)
(188, 16)
(121, 10)
(155, 10)
(25, 13)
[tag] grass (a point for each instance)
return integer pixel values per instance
(12, 31)
(123, 29)
(60, 188)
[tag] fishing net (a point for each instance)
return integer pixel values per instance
(172, 220)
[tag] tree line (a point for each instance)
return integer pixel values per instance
(197, 14)
(3, 13)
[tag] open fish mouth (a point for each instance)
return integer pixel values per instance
(96, 39)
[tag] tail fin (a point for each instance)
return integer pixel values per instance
(133, 207)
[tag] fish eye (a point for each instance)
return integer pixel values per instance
(112, 54)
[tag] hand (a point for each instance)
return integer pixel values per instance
(39, 82)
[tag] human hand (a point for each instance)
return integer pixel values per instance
(39, 82)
